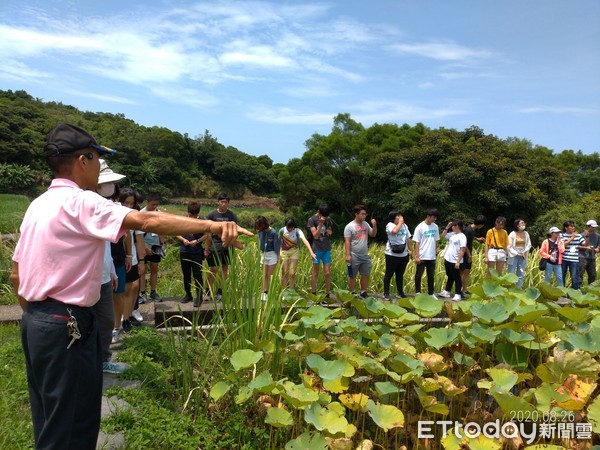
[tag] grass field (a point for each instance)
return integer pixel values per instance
(13, 208)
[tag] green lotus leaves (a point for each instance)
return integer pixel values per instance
(368, 307)
(386, 388)
(550, 323)
(327, 419)
(245, 358)
(263, 383)
(329, 370)
(565, 363)
(299, 395)
(385, 416)
(515, 356)
(489, 312)
(516, 338)
(219, 390)
(426, 305)
(463, 359)
(573, 313)
(549, 291)
(532, 293)
(316, 316)
(392, 311)
(511, 404)
(492, 288)
(589, 341)
(483, 333)
(386, 340)
(279, 417)
(530, 313)
(503, 379)
(431, 404)
(337, 385)
(509, 302)
(307, 441)
(544, 447)
(440, 337)
(593, 415)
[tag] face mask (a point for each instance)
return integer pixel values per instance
(521, 227)
(106, 190)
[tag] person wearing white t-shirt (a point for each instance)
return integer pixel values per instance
(425, 238)
(453, 257)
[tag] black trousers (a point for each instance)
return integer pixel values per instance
(395, 265)
(65, 385)
(429, 265)
(454, 278)
(191, 266)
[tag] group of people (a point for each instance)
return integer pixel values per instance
(563, 252)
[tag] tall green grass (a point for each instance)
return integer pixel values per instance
(13, 209)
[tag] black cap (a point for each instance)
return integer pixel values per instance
(65, 139)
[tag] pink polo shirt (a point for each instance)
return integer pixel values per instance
(61, 249)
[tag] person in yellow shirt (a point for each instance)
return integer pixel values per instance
(496, 243)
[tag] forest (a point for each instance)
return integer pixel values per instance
(384, 166)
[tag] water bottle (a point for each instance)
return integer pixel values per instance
(350, 273)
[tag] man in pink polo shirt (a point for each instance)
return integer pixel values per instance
(57, 270)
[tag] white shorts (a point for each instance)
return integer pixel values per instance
(268, 258)
(497, 254)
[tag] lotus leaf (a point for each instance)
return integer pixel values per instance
(329, 370)
(219, 390)
(550, 323)
(401, 345)
(338, 385)
(427, 384)
(242, 359)
(409, 330)
(386, 388)
(325, 419)
(307, 441)
(299, 395)
(511, 404)
(463, 359)
(529, 313)
(516, 338)
(510, 303)
(504, 379)
(484, 333)
(355, 402)
(549, 291)
(448, 387)
(565, 363)
(579, 393)
(392, 311)
(263, 383)
(385, 416)
(573, 313)
(433, 362)
(279, 417)
(492, 289)
(426, 305)
(440, 337)
(593, 415)
(386, 340)
(546, 396)
(368, 307)
(316, 316)
(489, 312)
(515, 356)
(243, 395)
(589, 342)
(477, 290)
(291, 337)
(371, 365)
(324, 398)
(404, 363)
(482, 442)
(317, 346)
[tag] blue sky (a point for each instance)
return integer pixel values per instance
(264, 76)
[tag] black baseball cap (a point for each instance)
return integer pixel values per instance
(65, 139)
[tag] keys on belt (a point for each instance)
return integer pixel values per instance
(72, 329)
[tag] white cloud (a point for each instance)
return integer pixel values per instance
(441, 51)
(289, 116)
(558, 110)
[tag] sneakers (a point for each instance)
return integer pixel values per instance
(142, 298)
(386, 296)
(364, 294)
(445, 294)
(126, 326)
(137, 315)
(463, 296)
(113, 367)
(134, 322)
(264, 297)
(435, 296)
(457, 298)
(116, 335)
(188, 298)
(154, 296)
(197, 302)
(219, 294)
